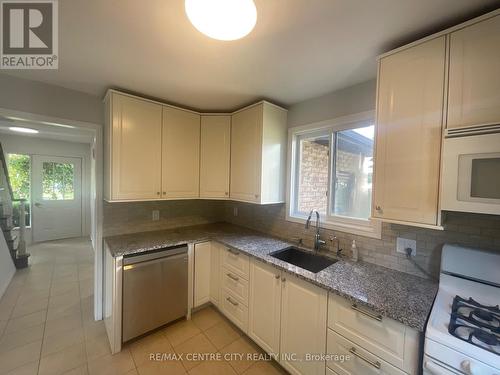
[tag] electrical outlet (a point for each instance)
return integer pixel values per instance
(403, 243)
(156, 215)
(235, 211)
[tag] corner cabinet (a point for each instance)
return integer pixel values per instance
(133, 148)
(215, 153)
(474, 79)
(258, 154)
(409, 131)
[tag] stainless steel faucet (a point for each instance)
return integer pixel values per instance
(318, 242)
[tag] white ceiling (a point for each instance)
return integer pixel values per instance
(299, 48)
(59, 132)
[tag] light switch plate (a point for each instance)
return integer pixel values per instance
(235, 211)
(403, 243)
(156, 215)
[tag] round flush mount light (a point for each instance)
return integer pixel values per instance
(222, 19)
(23, 130)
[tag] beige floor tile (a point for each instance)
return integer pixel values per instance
(161, 368)
(61, 340)
(6, 310)
(27, 369)
(241, 353)
(64, 300)
(97, 347)
(3, 323)
(212, 368)
(57, 313)
(198, 344)
(117, 364)
(21, 337)
(94, 329)
(29, 307)
(132, 372)
(20, 356)
(153, 343)
(58, 289)
(265, 368)
(181, 331)
(26, 321)
(64, 360)
(81, 370)
(222, 334)
(32, 295)
(206, 318)
(66, 323)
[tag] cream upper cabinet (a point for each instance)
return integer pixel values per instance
(303, 324)
(258, 153)
(215, 156)
(265, 306)
(180, 153)
(409, 130)
(133, 148)
(474, 75)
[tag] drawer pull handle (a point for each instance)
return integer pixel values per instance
(375, 364)
(232, 277)
(373, 316)
(233, 252)
(277, 276)
(229, 299)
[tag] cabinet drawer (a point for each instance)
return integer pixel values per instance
(236, 284)
(358, 361)
(236, 261)
(382, 336)
(234, 310)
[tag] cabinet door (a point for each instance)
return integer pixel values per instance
(215, 273)
(246, 154)
(264, 306)
(409, 118)
(215, 156)
(474, 82)
(135, 139)
(181, 154)
(303, 325)
(202, 263)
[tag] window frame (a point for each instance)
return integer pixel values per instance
(364, 227)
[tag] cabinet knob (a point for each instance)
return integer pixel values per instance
(157, 193)
(283, 279)
(256, 195)
(164, 193)
(226, 193)
(378, 208)
(277, 276)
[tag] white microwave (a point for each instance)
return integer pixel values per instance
(471, 170)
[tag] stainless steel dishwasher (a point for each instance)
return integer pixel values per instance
(155, 290)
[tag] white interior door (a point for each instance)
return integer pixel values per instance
(57, 197)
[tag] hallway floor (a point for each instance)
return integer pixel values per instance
(47, 327)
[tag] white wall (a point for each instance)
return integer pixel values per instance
(39, 146)
(354, 99)
(7, 268)
(49, 100)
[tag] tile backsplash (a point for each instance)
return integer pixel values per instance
(467, 229)
(462, 228)
(130, 217)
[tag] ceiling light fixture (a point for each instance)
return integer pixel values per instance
(222, 19)
(23, 130)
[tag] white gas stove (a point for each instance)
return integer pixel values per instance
(463, 332)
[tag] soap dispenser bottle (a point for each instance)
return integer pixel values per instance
(354, 251)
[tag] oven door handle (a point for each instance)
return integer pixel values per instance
(434, 369)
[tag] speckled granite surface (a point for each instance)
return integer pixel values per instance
(397, 295)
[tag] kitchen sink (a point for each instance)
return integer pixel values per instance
(303, 259)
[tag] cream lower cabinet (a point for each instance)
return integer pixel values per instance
(215, 250)
(258, 153)
(287, 316)
(409, 130)
(374, 344)
(215, 153)
(264, 313)
(202, 273)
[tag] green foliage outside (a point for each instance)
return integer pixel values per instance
(19, 167)
(57, 181)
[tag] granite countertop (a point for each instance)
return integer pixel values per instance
(397, 295)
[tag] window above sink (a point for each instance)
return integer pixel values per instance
(330, 169)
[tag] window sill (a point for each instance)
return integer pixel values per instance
(371, 228)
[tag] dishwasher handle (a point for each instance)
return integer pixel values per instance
(129, 267)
